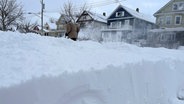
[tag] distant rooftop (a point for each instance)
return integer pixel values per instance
(98, 17)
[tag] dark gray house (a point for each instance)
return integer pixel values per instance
(125, 24)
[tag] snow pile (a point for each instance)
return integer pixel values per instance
(88, 34)
(45, 70)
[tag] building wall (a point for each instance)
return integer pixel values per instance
(168, 39)
(167, 11)
(141, 27)
(99, 24)
(172, 23)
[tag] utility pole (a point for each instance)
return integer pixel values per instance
(42, 8)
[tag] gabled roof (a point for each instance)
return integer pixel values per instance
(98, 17)
(95, 16)
(134, 13)
(163, 7)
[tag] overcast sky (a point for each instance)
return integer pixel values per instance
(148, 7)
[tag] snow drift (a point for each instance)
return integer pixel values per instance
(45, 70)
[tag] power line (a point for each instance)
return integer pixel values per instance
(88, 5)
(103, 3)
(91, 5)
(42, 8)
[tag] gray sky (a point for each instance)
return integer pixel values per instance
(148, 7)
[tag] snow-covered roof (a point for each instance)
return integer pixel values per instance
(136, 14)
(163, 7)
(168, 29)
(139, 15)
(98, 17)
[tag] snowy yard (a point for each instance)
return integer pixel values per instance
(45, 70)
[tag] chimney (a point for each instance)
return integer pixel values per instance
(137, 9)
(104, 14)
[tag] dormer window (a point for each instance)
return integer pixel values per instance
(178, 6)
(175, 7)
(120, 14)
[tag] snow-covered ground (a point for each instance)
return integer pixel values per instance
(46, 70)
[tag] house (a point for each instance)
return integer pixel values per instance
(170, 19)
(49, 23)
(49, 29)
(61, 22)
(125, 24)
(88, 18)
(61, 25)
(171, 15)
(37, 29)
(91, 24)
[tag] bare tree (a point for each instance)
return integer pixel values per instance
(83, 8)
(72, 11)
(10, 13)
(27, 26)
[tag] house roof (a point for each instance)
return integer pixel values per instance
(135, 14)
(96, 16)
(163, 7)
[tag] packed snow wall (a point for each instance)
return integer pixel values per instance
(137, 83)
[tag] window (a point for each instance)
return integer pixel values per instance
(172, 37)
(47, 28)
(127, 22)
(113, 32)
(120, 14)
(161, 21)
(178, 6)
(162, 37)
(167, 37)
(60, 27)
(115, 24)
(168, 20)
(175, 7)
(178, 20)
(119, 24)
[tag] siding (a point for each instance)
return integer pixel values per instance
(167, 11)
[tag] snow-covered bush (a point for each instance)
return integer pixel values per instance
(90, 33)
